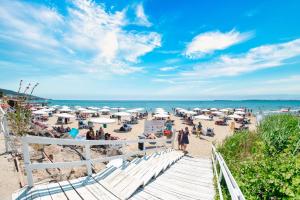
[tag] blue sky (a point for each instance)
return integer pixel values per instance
(151, 49)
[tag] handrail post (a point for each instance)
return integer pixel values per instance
(27, 163)
(88, 159)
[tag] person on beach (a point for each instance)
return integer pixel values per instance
(90, 134)
(194, 130)
(179, 139)
(185, 139)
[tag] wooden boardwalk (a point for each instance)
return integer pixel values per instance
(164, 175)
(190, 178)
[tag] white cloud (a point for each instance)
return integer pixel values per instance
(142, 18)
(207, 43)
(290, 79)
(262, 57)
(87, 38)
(164, 69)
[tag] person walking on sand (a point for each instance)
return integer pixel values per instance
(179, 139)
(185, 139)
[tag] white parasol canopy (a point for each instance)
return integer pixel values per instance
(39, 112)
(105, 107)
(65, 109)
(190, 112)
(224, 110)
(217, 113)
(239, 113)
(197, 109)
(122, 114)
(104, 110)
(204, 117)
(205, 110)
(102, 120)
(81, 109)
(139, 109)
(213, 109)
(234, 116)
(64, 115)
(93, 108)
(161, 115)
(89, 111)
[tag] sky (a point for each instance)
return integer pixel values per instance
(152, 49)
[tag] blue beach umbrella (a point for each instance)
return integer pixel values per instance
(74, 132)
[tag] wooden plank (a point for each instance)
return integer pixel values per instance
(41, 192)
(56, 192)
(19, 194)
(104, 173)
(130, 189)
(80, 186)
(69, 190)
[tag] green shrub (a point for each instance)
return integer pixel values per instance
(266, 163)
(280, 132)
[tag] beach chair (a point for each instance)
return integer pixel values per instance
(82, 125)
(60, 120)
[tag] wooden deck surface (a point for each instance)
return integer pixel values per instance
(165, 175)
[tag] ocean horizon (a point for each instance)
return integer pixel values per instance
(255, 105)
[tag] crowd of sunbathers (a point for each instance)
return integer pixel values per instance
(61, 129)
(99, 135)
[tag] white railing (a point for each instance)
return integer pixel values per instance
(87, 144)
(224, 172)
(4, 129)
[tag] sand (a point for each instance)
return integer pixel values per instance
(198, 147)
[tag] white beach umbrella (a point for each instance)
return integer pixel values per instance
(234, 116)
(64, 115)
(104, 110)
(240, 109)
(191, 112)
(217, 113)
(139, 109)
(65, 109)
(203, 117)
(122, 114)
(39, 112)
(213, 109)
(205, 110)
(182, 110)
(88, 111)
(102, 120)
(239, 113)
(224, 110)
(196, 109)
(93, 108)
(161, 115)
(105, 107)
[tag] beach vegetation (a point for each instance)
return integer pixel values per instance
(19, 120)
(266, 163)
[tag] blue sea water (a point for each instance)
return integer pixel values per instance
(255, 105)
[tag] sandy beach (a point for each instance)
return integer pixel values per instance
(198, 147)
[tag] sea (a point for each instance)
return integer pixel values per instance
(150, 105)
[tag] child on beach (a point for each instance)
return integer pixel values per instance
(179, 139)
